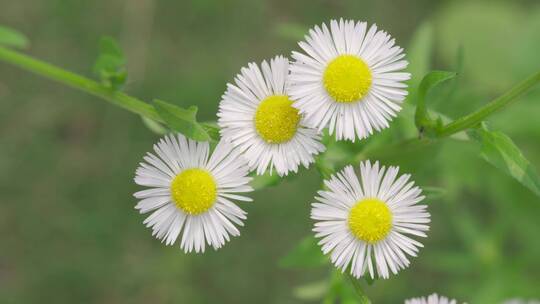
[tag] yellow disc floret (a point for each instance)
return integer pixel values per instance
(347, 78)
(370, 220)
(276, 120)
(194, 191)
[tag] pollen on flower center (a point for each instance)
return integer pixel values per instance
(347, 78)
(276, 120)
(194, 191)
(370, 220)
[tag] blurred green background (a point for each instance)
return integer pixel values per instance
(68, 229)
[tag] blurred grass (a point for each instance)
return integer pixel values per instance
(67, 224)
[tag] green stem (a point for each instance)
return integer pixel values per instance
(73, 80)
(359, 290)
(473, 119)
(142, 108)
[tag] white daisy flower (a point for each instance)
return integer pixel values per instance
(349, 79)
(257, 116)
(191, 192)
(432, 299)
(365, 221)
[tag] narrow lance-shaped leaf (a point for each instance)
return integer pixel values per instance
(181, 120)
(422, 119)
(212, 129)
(12, 38)
(500, 151)
(110, 64)
(154, 126)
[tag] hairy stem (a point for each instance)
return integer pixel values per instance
(76, 81)
(471, 120)
(142, 108)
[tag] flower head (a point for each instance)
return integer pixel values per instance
(349, 79)
(191, 192)
(257, 115)
(367, 220)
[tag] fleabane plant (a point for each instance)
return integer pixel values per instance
(348, 81)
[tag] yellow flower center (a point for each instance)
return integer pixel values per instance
(276, 120)
(347, 78)
(194, 191)
(370, 220)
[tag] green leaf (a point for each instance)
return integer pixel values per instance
(110, 64)
(307, 254)
(181, 120)
(419, 57)
(154, 126)
(12, 38)
(423, 121)
(212, 129)
(500, 151)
